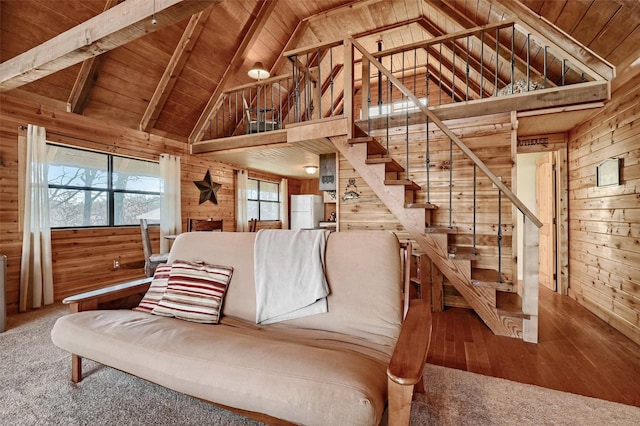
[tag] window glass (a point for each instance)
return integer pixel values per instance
(96, 189)
(136, 175)
(252, 210)
(252, 189)
(77, 208)
(269, 211)
(129, 208)
(269, 191)
(395, 107)
(263, 200)
(73, 167)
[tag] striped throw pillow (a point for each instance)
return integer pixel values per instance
(195, 292)
(156, 289)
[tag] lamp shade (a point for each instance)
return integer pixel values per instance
(310, 169)
(258, 71)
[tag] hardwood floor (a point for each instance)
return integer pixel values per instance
(577, 352)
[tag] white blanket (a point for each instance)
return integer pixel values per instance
(289, 274)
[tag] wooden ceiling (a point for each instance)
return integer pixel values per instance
(163, 81)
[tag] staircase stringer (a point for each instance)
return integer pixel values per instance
(457, 271)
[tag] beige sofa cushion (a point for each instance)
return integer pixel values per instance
(234, 249)
(308, 377)
(363, 270)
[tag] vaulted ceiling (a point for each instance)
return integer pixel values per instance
(164, 81)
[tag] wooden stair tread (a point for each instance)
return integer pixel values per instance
(390, 165)
(440, 230)
(427, 206)
(409, 184)
(481, 277)
(463, 253)
(373, 146)
(510, 305)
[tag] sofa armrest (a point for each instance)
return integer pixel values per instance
(113, 295)
(408, 361)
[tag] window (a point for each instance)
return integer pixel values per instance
(263, 200)
(94, 189)
(404, 105)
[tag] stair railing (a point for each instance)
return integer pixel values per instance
(366, 56)
(530, 235)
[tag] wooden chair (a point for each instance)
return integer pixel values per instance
(151, 260)
(209, 224)
(255, 225)
(260, 119)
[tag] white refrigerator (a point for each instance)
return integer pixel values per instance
(306, 211)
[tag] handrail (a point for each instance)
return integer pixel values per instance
(468, 152)
(259, 83)
(443, 38)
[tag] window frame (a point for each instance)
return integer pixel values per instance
(259, 201)
(109, 189)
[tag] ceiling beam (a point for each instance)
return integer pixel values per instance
(248, 41)
(564, 44)
(387, 28)
(86, 77)
(474, 61)
(115, 27)
(628, 70)
(174, 69)
(345, 8)
(297, 35)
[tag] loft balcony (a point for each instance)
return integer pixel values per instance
(495, 68)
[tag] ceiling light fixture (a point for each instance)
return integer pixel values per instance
(310, 169)
(258, 71)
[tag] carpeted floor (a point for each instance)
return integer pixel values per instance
(35, 390)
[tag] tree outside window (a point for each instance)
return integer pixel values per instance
(89, 189)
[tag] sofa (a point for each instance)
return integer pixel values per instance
(357, 364)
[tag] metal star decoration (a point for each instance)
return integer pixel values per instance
(207, 189)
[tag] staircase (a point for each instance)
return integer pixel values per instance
(500, 310)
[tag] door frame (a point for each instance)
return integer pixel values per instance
(557, 143)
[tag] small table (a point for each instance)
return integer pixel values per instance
(171, 237)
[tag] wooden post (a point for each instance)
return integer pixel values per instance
(530, 282)
(348, 86)
(366, 88)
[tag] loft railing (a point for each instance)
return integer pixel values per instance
(491, 61)
(254, 108)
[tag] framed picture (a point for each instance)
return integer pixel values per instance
(608, 172)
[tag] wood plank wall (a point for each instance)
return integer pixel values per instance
(490, 138)
(604, 222)
(83, 258)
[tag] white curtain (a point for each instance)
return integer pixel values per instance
(170, 200)
(241, 201)
(284, 203)
(36, 272)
